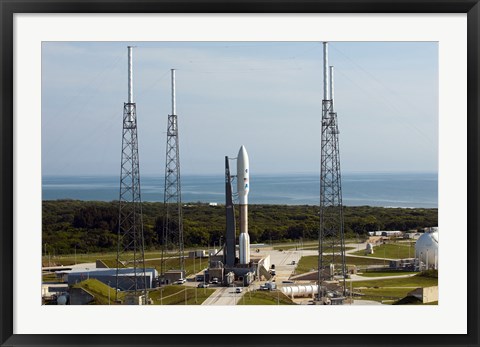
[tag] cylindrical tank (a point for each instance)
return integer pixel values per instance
(426, 249)
(300, 290)
(369, 248)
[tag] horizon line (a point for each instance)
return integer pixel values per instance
(310, 173)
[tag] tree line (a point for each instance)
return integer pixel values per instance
(92, 226)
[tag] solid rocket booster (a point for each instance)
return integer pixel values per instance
(243, 187)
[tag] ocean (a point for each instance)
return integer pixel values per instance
(374, 189)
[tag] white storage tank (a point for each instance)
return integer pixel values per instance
(426, 249)
(369, 249)
(300, 290)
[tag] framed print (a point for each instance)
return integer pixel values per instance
(219, 173)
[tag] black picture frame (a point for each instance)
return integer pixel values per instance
(7, 10)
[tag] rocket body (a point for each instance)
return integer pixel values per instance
(243, 176)
(243, 187)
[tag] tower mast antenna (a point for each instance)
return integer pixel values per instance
(331, 238)
(172, 233)
(130, 239)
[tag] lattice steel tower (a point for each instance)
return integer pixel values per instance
(172, 236)
(331, 258)
(130, 241)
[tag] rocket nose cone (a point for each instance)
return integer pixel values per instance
(242, 153)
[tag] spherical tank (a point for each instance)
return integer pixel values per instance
(62, 299)
(426, 249)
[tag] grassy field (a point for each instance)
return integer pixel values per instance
(384, 295)
(288, 246)
(391, 251)
(309, 246)
(308, 263)
(265, 298)
(89, 258)
(151, 260)
(412, 282)
(190, 264)
(168, 295)
(175, 295)
(386, 273)
(393, 289)
(49, 277)
(362, 261)
(100, 291)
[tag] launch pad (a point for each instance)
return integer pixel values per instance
(227, 268)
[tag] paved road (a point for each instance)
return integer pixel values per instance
(223, 296)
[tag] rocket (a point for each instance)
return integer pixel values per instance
(243, 187)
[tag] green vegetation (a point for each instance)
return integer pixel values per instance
(296, 245)
(100, 291)
(309, 263)
(386, 273)
(175, 295)
(363, 261)
(429, 274)
(306, 246)
(49, 277)
(393, 289)
(108, 257)
(152, 259)
(265, 298)
(167, 295)
(395, 250)
(173, 264)
(409, 282)
(384, 295)
(91, 226)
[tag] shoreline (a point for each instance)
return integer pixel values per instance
(203, 203)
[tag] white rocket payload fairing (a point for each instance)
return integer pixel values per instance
(243, 186)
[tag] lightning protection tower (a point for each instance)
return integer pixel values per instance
(331, 233)
(130, 241)
(173, 257)
(229, 250)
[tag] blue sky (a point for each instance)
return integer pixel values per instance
(264, 95)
